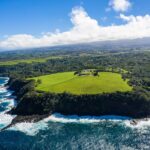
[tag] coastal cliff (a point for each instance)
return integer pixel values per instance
(31, 102)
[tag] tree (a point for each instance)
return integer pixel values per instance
(39, 81)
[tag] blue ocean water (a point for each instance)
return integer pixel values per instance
(58, 132)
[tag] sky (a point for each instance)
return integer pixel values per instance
(38, 23)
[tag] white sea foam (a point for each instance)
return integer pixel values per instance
(7, 94)
(141, 124)
(30, 128)
(4, 82)
(3, 89)
(5, 119)
(33, 128)
(11, 103)
(83, 119)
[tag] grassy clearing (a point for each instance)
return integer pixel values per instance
(106, 82)
(40, 60)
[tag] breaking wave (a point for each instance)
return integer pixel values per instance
(6, 102)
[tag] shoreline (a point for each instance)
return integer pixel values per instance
(38, 117)
(22, 119)
(57, 117)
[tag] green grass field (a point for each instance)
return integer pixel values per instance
(106, 82)
(40, 60)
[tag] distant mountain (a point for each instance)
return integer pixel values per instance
(134, 44)
(143, 43)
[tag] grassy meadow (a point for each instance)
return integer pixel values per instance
(105, 82)
(29, 61)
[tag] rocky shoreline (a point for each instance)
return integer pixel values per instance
(20, 119)
(37, 118)
(135, 122)
(32, 108)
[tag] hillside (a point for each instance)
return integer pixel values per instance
(105, 82)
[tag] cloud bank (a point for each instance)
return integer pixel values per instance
(120, 5)
(85, 29)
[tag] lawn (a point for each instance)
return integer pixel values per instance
(106, 82)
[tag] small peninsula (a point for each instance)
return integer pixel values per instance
(62, 93)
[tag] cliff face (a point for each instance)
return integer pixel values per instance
(32, 103)
(20, 87)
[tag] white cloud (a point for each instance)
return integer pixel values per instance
(120, 5)
(85, 29)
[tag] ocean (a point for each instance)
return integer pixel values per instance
(58, 132)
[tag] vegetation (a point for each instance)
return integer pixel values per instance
(32, 103)
(28, 61)
(132, 65)
(85, 83)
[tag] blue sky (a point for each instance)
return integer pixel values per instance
(33, 17)
(37, 16)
